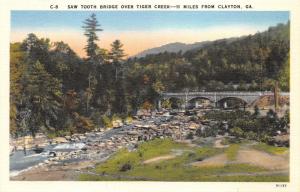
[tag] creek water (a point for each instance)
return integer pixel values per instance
(19, 161)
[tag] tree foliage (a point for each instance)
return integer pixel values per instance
(52, 89)
(91, 26)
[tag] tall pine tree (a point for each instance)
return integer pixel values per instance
(117, 55)
(91, 26)
(42, 99)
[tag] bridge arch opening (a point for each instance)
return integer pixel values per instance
(231, 103)
(200, 102)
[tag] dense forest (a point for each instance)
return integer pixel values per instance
(54, 91)
(255, 60)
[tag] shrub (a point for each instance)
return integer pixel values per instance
(106, 121)
(166, 104)
(265, 138)
(158, 167)
(82, 124)
(147, 105)
(190, 135)
(125, 167)
(51, 135)
(207, 131)
(128, 119)
(256, 111)
(250, 135)
(236, 131)
(115, 117)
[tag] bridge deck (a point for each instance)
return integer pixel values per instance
(248, 97)
(223, 93)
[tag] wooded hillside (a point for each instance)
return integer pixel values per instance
(55, 91)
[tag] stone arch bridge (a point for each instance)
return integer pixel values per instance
(215, 97)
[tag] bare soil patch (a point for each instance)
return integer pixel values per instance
(53, 173)
(218, 160)
(159, 158)
(218, 144)
(262, 159)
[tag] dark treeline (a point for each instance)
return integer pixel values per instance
(55, 91)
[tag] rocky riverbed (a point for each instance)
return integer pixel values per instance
(72, 153)
(96, 146)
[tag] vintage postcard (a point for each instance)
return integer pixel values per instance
(150, 96)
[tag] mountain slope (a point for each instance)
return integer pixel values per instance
(172, 48)
(259, 59)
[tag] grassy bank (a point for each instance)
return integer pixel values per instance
(232, 151)
(125, 165)
(271, 149)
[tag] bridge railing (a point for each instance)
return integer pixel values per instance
(217, 93)
(240, 93)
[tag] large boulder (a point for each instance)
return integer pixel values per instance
(281, 140)
(132, 133)
(117, 123)
(59, 140)
(81, 137)
(194, 126)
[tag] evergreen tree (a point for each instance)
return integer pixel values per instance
(43, 99)
(117, 56)
(91, 26)
(66, 64)
(17, 69)
(284, 76)
(38, 50)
